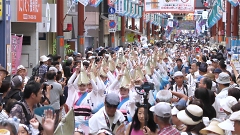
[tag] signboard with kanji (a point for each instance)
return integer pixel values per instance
(29, 10)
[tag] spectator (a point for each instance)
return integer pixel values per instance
(162, 115)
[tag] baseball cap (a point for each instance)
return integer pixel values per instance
(17, 81)
(215, 60)
(209, 62)
(162, 109)
(178, 73)
(112, 99)
(44, 58)
(53, 69)
(217, 70)
(223, 78)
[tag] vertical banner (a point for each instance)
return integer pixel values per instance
(16, 49)
(120, 7)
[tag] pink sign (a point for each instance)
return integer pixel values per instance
(16, 49)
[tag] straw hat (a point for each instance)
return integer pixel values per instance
(92, 70)
(83, 78)
(126, 80)
(212, 127)
(138, 74)
(111, 63)
(192, 115)
(148, 68)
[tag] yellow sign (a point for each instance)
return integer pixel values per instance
(1, 9)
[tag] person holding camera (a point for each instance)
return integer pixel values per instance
(55, 92)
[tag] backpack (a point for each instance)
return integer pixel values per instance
(26, 113)
(35, 72)
(9, 96)
(185, 87)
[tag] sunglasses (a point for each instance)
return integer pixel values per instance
(111, 106)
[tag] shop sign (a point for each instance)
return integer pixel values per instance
(29, 10)
(177, 6)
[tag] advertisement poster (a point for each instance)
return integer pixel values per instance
(183, 6)
(16, 49)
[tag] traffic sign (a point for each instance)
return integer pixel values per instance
(112, 24)
(112, 29)
(111, 16)
(111, 10)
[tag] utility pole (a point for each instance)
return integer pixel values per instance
(123, 30)
(235, 22)
(81, 21)
(101, 24)
(228, 25)
(148, 31)
(60, 37)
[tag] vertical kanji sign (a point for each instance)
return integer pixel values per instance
(29, 10)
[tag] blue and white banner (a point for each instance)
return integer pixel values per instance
(234, 2)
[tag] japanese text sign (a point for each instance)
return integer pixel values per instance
(29, 10)
(183, 6)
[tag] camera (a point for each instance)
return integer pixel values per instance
(45, 86)
(146, 86)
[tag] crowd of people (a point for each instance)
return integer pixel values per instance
(167, 88)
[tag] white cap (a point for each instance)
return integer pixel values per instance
(20, 67)
(162, 109)
(177, 74)
(53, 69)
(235, 116)
(44, 58)
(209, 62)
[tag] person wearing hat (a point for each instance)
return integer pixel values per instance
(43, 68)
(107, 117)
(216, 72)
(215, 63)
(78, 97)
(180, 86)
(223, 81)
(227, 104)
(191, 117)
(176, 122)
(17, 85)
(232, 124)
(212, 128)
(161, 115)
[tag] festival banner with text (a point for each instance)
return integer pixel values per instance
(16, 49)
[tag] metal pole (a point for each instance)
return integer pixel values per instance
(123, 30)
(81, 21)
(235, 21)
(60, 37)
(141, 25)
(228, 23)
(148, 31)
(133, 24)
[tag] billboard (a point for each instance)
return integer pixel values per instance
(173, 6)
